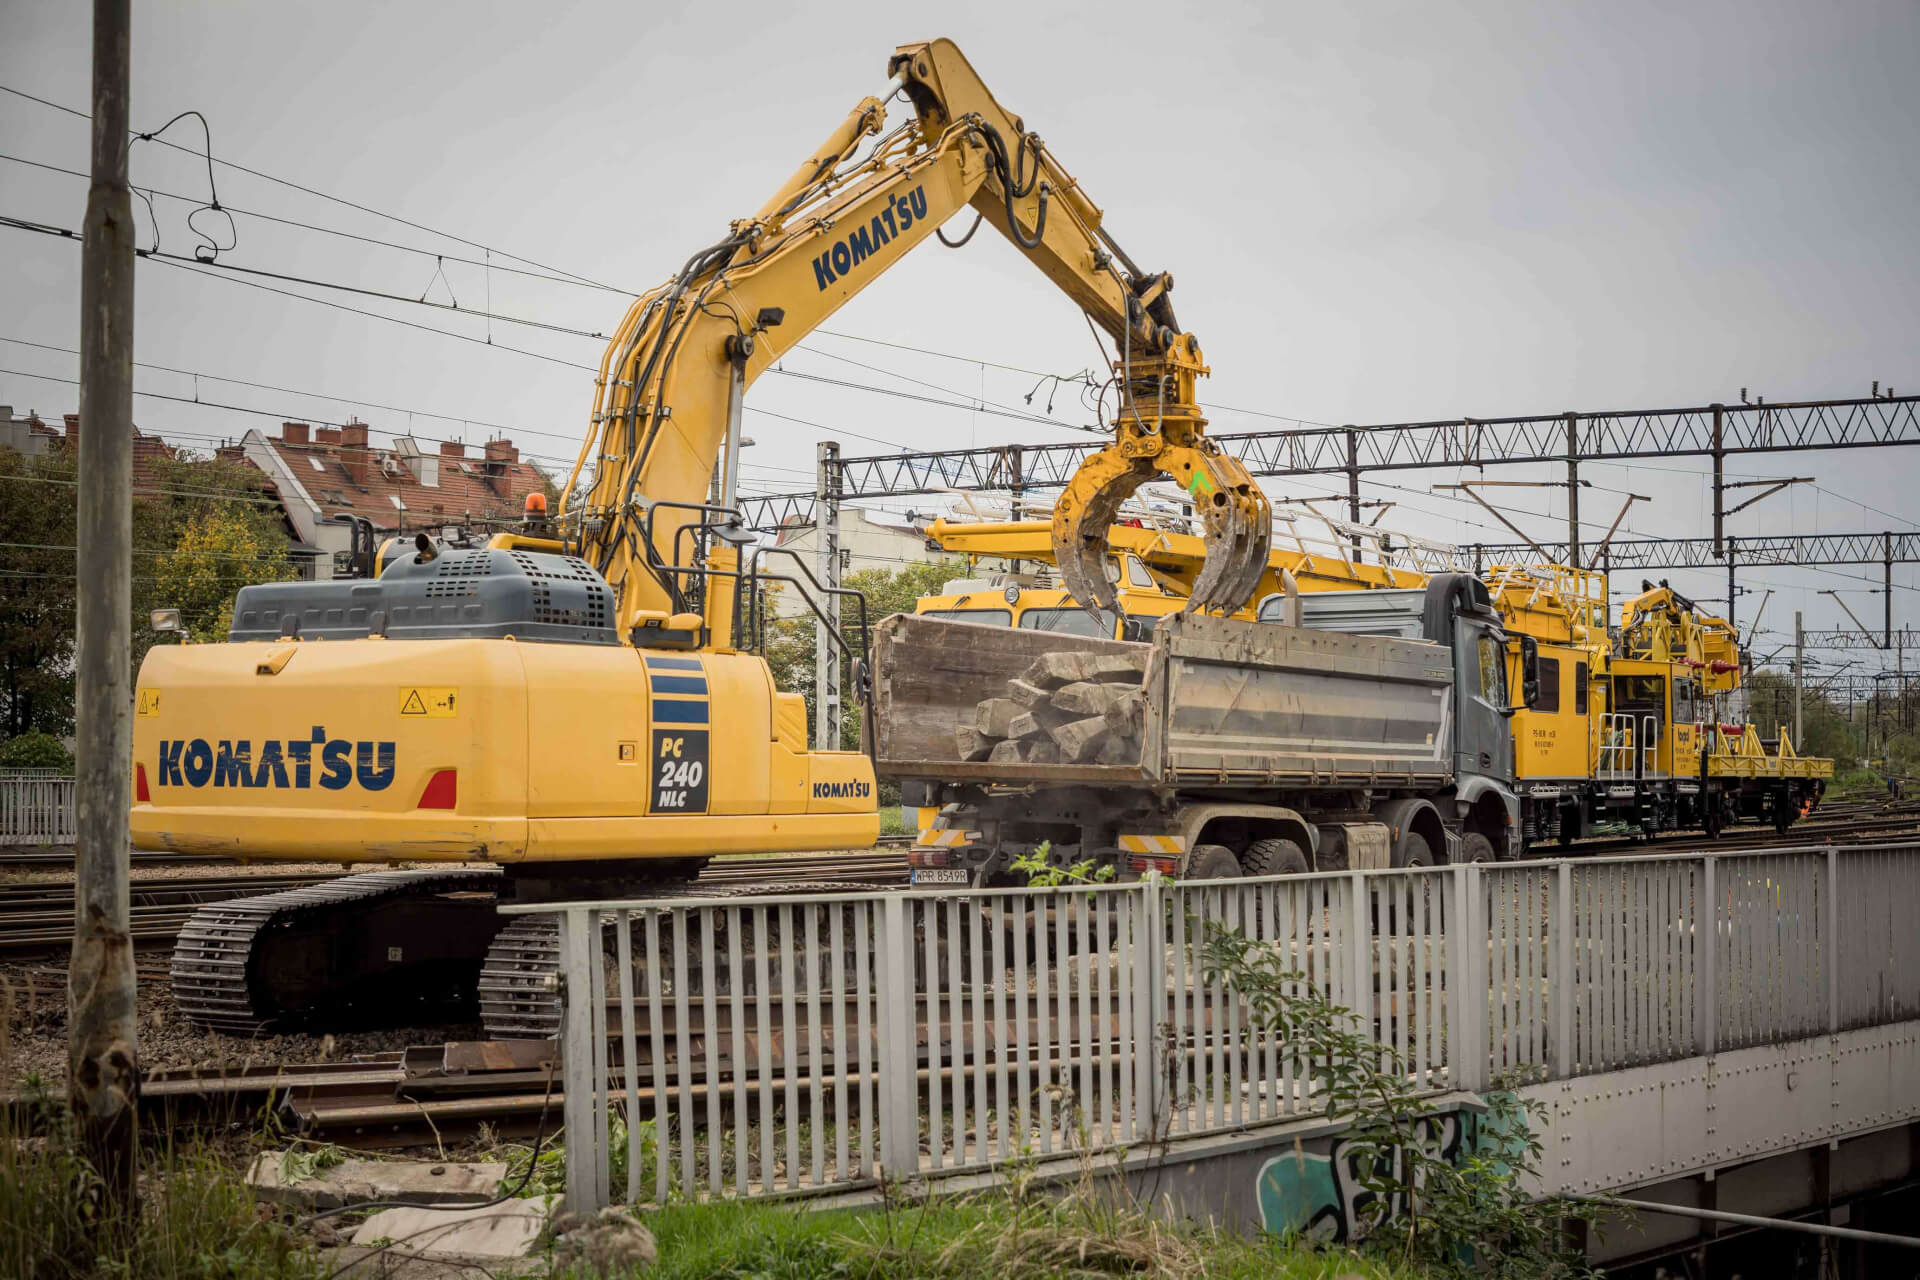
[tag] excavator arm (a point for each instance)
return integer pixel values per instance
(664, 437)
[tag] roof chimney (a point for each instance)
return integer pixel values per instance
(73, 426)
(327, 435)
(452, 449)
(293, 433)
(353, 452)
(502, 451)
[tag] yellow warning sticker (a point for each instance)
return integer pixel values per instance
(149, 702)
(435, 702)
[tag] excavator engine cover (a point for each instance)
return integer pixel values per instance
(482, 593)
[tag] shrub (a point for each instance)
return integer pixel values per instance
(35, 751)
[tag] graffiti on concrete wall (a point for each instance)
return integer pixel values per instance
(1318, 1191)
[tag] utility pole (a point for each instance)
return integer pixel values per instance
(1799, 678)
(1573, 490)
(826, 627)
(102, 1024)
(1733, 589)
(1353, 485)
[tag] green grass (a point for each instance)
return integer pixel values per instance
(993, 1238)
(198, 1220)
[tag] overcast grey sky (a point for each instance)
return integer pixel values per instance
(1373, 213)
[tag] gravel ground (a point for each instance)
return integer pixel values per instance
(33, 1003)
(34, 1038)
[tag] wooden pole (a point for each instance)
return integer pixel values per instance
(103, 1050)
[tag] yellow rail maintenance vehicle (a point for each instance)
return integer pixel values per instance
(1636, 726)
(581, 704)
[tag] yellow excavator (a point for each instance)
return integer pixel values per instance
(579, 704)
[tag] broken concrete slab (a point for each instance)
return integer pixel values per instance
(509, 1229)
(354, 1181)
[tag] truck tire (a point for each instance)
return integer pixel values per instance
(1213, 862)
(1275, 857)
(1413, 851)
(1475, 847)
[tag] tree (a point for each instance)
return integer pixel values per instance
(37, 510)
(218, 552)
(1826, 731)
(174, 493)
(36, 641)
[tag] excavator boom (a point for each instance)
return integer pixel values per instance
(669, 394)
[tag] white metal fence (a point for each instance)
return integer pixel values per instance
(771, 1044)
(36, 808)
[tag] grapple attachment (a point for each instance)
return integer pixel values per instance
(1236, 517)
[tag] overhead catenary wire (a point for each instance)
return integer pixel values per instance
(344, 235)
(322, 195)
(572, 278)
(199, 268)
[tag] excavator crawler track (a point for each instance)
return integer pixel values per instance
(519, 982)
(253, 965)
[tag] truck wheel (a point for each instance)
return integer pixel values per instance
(1414, 851)
(1213, 862)
(1275, 857)
(1475, 847)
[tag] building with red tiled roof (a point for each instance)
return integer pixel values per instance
(327, 472)
(33, 438)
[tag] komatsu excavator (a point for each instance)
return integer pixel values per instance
(579, 705)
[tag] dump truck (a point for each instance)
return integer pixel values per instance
(1220, 747)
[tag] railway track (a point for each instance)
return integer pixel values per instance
(58, 857)
(38, 917)
(1864, 822)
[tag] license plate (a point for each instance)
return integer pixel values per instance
(941, 875)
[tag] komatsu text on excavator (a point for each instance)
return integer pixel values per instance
(580, 704)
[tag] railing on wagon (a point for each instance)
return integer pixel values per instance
(788, 1044)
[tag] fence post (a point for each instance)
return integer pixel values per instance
(1830, 940)
(899, 1085)
(1560, 983)
(1456, 983)
(1360, 954)
(1706, 919)
(1469, 968)
(1149, 1008)
(586, 1158)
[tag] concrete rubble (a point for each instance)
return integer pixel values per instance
(354, 1181)
(489, 1235)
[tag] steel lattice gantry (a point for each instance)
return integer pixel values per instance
(1712, 430)
(1699, 553)
(1715, 431)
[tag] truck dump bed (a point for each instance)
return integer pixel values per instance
(1224, 704)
